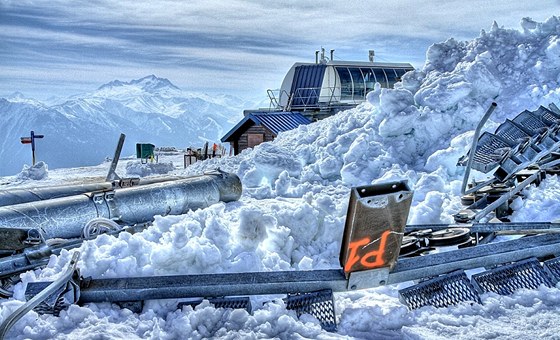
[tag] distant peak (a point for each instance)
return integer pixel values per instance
(149, 83)
(17, 95)
(114, 83)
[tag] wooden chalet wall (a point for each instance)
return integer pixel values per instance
(243, 142)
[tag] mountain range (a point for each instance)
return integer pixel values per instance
(84, 129)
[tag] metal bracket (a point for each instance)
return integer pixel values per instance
(368, 278)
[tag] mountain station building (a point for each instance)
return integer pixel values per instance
(310, 92)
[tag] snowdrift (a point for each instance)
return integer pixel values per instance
(292, 211)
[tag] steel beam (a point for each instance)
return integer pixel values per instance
(267, 283)
(211, 285)
(502, 228)
(480, 256)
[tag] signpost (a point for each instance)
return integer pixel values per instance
(31, 140)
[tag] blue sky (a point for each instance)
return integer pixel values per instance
(61, 48)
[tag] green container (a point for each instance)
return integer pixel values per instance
(144, 150)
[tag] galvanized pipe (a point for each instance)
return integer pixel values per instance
(34, 194)
(65, 217)
(491, 109)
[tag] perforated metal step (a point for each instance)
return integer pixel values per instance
(320, 304)
(552, 267)
(441, 291)
(517, 143)
(507, 279)
(450, 289)
(242, 302)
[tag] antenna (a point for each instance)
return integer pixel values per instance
(371, 55)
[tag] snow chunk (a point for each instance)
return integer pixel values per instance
(36, 172)
(136, 168)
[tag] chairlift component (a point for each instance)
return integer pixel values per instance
(506, 279)
(515, 145)
(449, 237)
(375, 224)
(221, 302)
(52, 288)
(319, 304)
(552, 267)
(65, 217)
(441, 291)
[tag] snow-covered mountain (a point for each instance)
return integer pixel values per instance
(84, 129)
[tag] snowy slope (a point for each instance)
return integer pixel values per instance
(293, 207)
(84, 129)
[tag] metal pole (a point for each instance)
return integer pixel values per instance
(509, 227)
(33, 146)
(474, 145)
(112, 175)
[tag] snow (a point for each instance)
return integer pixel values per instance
(139, 169)
(292, 211)
(36, 172)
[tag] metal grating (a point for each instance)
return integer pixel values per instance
(439, 292)
(547, 115)
(54, 303)
(320, 304)
(531, 122)
(552, 267)
(511, 132)
(241, 302)
(490, 150)
(507, 279)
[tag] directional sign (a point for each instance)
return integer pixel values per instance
(31, 140)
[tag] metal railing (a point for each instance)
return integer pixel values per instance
(310, 98)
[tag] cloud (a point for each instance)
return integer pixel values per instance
(222, 46)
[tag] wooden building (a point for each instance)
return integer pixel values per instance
(258, 127)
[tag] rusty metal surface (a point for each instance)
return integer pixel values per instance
(375, 225)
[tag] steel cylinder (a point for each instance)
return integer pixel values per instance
(65, 217)
(34, 194)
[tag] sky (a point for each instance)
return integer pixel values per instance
(59, 48)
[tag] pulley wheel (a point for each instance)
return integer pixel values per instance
(410, 245)
(449, 237)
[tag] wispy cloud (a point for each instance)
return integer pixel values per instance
(241, 46)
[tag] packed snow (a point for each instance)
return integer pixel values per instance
(295, 195)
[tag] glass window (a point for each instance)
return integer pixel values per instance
(380, 77)
(400, 73)
(369, 79)
(391, 76)
(358, 81)
(345, 83)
